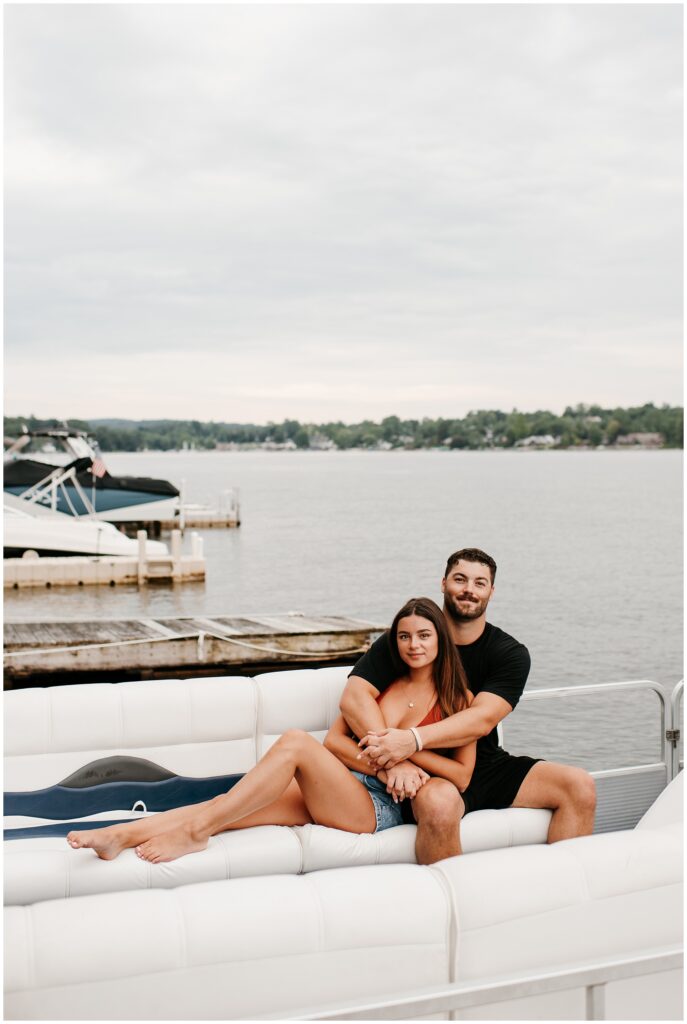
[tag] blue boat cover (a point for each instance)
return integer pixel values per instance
(63, 802)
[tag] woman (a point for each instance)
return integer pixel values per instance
(300, 781)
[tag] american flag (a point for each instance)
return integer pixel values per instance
(98, 467)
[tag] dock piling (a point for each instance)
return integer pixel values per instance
(176, 552)
(142, 537)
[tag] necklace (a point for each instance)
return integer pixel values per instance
(411, 703)
(414, 704)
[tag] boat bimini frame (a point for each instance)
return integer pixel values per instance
(44, 493)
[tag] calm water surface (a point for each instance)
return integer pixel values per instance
(588, 544)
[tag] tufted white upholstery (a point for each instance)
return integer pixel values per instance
(285, 945)
(613, 893)
(202, 938)
(221, 950)
(304, 699)
(667, 808)
(197, 727)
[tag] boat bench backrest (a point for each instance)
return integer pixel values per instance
(195, 727)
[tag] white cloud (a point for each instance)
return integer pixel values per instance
(341, 210)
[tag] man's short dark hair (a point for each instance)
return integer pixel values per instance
(471, 555)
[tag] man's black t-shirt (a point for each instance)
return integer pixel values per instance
(494, 663)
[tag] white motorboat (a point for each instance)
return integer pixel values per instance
(51, 533)
(82, 486)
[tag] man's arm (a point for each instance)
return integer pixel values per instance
(361, 712)
(387, 747)
(360, 708)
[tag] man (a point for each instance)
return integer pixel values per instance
(497, 667)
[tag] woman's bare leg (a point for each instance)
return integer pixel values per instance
(261, 787)
(331, 795)
(108, 842)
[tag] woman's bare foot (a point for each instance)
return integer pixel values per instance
(170, 845)
(108, 843)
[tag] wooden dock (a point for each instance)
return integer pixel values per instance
(49, 653)
(225, 514)
(194, 519)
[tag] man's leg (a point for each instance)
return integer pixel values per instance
(438, 808)
(569, 792)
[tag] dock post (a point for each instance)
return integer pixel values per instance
(229, 505)
(196, 545)
(142, 537)
(176, 553)
(182, 504)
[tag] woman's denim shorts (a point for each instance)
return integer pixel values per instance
(387, 813)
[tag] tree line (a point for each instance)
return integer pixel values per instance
(579, 426)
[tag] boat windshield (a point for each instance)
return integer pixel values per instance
(81, 447)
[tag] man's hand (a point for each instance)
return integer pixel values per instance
(388, 747)
(405, 780)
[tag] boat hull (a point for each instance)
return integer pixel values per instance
(56, 535)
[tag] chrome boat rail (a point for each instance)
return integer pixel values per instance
(451, 999)
(625, 794)
(676, 726)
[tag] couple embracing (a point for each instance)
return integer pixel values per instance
(425, 700)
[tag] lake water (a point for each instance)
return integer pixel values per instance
(588, 544)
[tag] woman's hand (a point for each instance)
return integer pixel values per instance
(404, 780)
(388, 747)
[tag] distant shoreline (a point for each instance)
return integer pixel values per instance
(247, 449)
(582, 427)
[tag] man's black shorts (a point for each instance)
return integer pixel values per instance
(496, 781)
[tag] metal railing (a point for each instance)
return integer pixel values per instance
(624, 794)
(451, 999)
(676, 715)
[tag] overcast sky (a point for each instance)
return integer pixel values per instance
(247, 213)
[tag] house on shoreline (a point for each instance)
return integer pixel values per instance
(640, 440)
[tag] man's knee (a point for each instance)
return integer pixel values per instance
(573, 787)
(581, 789)
(438, 803)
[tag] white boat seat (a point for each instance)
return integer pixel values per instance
(286, 945)
(199, 727)
(47, 868)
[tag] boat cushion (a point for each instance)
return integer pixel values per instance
(193, 728)
(226, 951)
(668, 807)
(47, 868)
(285, 946)
(582, 897)
(198, 727)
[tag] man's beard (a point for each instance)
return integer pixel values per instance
(473, 611)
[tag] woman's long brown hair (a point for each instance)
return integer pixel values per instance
(448, 673)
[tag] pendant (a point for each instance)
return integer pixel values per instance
(410, 704)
